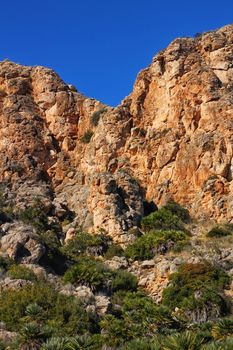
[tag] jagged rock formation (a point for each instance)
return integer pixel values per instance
(70, 165)
(172, 137)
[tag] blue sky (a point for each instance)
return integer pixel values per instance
(100, 46)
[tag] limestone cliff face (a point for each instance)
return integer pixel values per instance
(172, 137)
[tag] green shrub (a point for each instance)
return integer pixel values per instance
(146, 246)
(89, 272)
(97, 115)
(163, 219)
(219, 345)
(195, 286)
(64, 315)
(85, 243)
(223, 329)
(2, 346)
(21, 272)
(86, 138)
(143, 344)
(124, 280)
(31, 336)
(137, 306)
(178, 210)
(6, 208)
(33, 312)
(54, 256)
(97, 276)
(55, 343)
(115, 331)
(113, 250)
(219, 231)
(35, 215)
(185, 341)
(134, 315)
(5, 263)
(87, 342)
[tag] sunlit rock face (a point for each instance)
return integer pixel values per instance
(172, 137)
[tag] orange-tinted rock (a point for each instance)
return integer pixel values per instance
(173, 135)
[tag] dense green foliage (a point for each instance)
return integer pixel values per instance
(178, 210)
(45, 319)
(163, 219)
(5, 263)
(97, 276)
(223, 329)
(86, 138)
(220, 231)
(85, 243)
(35, 215)
(48, 320)
(143, 343)
(21, 272)
(196, 286)
(123, 280)
(146, 246)
(113, 250)
(84, 342)
(92, 245)
(134, 315)
(64, 315)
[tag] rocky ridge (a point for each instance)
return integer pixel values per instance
(70, 164)
(170, 138)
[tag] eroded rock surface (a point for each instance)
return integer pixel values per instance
(170, 138)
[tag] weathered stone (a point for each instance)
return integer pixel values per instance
(85, 294)
(148, 263)
(117, 263)
(13, 283)
(21, 243)
(172, 135)
(102, 303)
(7, 336)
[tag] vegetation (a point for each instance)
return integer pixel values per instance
(5, 263)
(220, 231)
(163, 219)
(146, 246)
(62, 314)
(85, 243)
(97, 115)
(97, 276)
(35, 215)
(21, 272)
(134, 315)
(123, 280)
(223, 329)
(46, 319)
(113, 250)
(178, 210)
(73, 343)
(86, 138)
(6, 211)
(186, 340)
(143, 343)
(197, 286)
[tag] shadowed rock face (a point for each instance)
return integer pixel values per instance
(173, 135)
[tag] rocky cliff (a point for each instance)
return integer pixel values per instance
(108, 216)
(171, 138)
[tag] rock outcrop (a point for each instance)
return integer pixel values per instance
(172, 137)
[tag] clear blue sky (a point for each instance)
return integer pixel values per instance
(100, 46)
